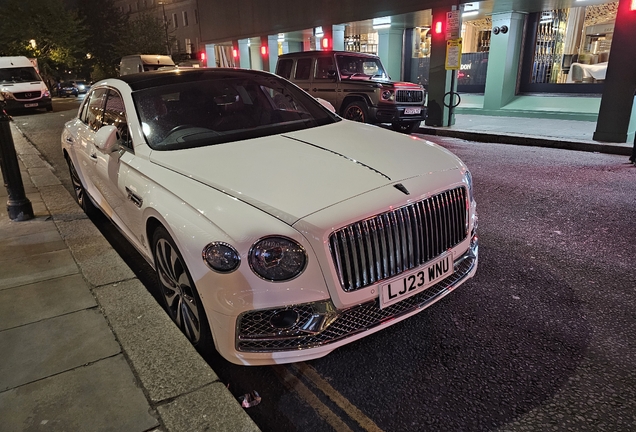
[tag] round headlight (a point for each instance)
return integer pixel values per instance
(277, 258)
(221, 257)
(387, 94)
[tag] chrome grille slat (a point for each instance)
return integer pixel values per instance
(368, 251)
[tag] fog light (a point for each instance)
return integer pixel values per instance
(284, 319)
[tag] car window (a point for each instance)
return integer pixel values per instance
(284, 68)
(221, 110)
(303, 67)
(94, 109)
(115, 114)
(323, 66)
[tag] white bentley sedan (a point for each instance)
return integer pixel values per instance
(278, 230)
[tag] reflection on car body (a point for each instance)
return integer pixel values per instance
(272, 223)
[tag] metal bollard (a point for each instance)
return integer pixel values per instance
(19, 206)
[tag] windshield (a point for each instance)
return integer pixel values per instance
(212, 111)
(357, 67)
(18, 75)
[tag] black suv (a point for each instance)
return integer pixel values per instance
(357, 85)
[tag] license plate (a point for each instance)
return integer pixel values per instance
(31, 105)
(408, 111)
(416, 280)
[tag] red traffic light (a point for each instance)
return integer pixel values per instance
(202, 56)
(325, 43)
(263, 50)
(234, 53)
(438, 27)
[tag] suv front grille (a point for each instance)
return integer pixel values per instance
(406, 96)
(385, 245)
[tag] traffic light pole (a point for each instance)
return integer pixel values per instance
(19, 207)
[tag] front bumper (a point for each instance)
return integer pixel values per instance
(321, 328)
(18, 104)
(392, 114)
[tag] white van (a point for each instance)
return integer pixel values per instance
(21, 85)
(144, 63)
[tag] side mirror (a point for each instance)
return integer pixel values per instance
(106, 139)
(326, 104)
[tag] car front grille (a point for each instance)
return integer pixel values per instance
(255, 334)
(406, 96)
(390, 243)
(27, 95)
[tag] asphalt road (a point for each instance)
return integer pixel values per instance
(543, 338)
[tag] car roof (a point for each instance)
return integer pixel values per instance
(325, 53)
(144, 80)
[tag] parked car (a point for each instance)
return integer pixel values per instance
(82, 86)
(144, 63)
(357, 85)
(67, 89)
(21, 85)
(278, 230)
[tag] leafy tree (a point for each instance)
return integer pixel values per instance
(45, 30)
(144, 34)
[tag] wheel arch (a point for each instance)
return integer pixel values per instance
(354, 98)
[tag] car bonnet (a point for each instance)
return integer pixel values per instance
(296, 174)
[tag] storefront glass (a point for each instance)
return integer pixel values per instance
(571, 46)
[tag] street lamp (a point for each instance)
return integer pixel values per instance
(165, 27)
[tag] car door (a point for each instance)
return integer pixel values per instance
(113, 168)
(324, 84)
(89, 122)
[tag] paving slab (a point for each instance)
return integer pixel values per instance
(211, 408)
(99, 262)
(164, 360)
(9, 228)
(26, 245)
(36, 268)
(102, 396)
(53, 346)
(39, 301)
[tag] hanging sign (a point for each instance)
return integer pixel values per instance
(452, 24)
(454, 54)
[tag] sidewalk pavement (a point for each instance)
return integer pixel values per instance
(539, 132)
(85, 347)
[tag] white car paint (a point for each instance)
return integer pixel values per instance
(302, 185)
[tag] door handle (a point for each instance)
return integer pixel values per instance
(93, 155)
(70, 140)
(314, 89)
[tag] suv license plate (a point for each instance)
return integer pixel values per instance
(30, 105)
(408, 111)
(416, 281)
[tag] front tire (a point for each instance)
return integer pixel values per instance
(178, 292)
(357, 111)
(81, 197)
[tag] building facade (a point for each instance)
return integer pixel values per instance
(569, 59)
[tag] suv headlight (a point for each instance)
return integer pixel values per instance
(388, 95)
(7, 95)
(277, 259)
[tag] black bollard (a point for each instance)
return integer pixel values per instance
(19, 206)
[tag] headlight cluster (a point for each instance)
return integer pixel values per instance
(273, 258)
(221, 257)
(6, 95)
(388, 95)
(277, 258)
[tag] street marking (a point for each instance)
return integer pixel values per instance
(293, 383)
(352, 411)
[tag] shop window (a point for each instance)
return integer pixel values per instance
(476, 34)
(366, 43)
(569, 46)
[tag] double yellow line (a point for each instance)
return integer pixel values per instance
(292, 376)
